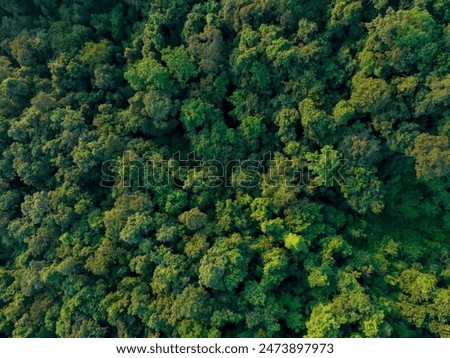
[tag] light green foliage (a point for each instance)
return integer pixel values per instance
(362, 189)
(95, 53)
(322, 323)
(149, 73)
(225, 264)
(195, 113)
(252, 127)
(369, 94)
(343, 112)
(295, 243)
(316, 122)
(179, 63)
(432, 155)
(193, 219)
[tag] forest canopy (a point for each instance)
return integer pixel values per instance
(336, 222)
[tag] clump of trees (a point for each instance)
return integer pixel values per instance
(365, 82)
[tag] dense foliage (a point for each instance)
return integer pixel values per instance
(360, 82)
